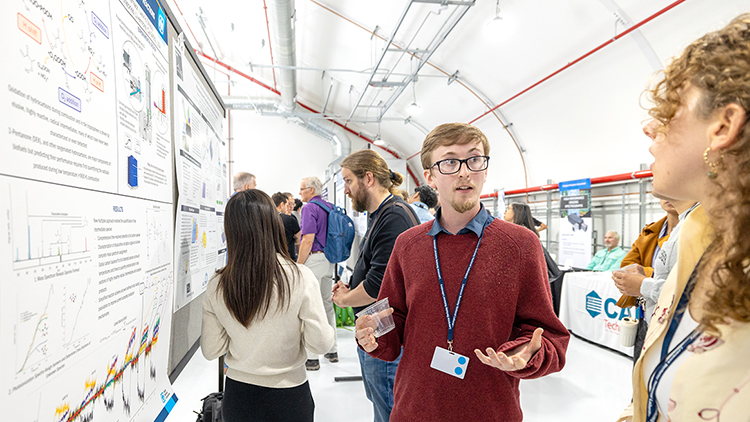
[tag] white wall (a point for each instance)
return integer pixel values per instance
(279, 153)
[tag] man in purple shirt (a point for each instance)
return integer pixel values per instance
(314, 227)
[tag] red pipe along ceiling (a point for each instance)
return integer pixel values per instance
(642, 174)
(250, 78)
(610, 41)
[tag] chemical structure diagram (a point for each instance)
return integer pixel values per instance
(68, 41)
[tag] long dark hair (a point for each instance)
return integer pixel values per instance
(522, 217)
(255, 238)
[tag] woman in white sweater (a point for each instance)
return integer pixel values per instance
(262, 310)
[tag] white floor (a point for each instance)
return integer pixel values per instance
(593, 386)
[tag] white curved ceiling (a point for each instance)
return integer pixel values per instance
(583, 122)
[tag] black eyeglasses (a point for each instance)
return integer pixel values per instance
(453, 165)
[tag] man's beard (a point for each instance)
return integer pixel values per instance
(359, 201)
(464, 206)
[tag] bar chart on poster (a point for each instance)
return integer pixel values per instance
(86, 211)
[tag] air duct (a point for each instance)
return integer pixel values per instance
(282, 32)
(323, 128)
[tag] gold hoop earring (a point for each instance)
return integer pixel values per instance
(714, 166)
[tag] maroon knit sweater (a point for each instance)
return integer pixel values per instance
(506, 297)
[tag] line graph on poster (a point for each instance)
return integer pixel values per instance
(121, 384)
(157, 234)
(51, 329)
(46, 241)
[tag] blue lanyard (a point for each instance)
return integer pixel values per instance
(667, 357)
(652, 414)
(452, 322)
(390, 195)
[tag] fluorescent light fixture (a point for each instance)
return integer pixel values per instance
(493, 26)
(414, 109)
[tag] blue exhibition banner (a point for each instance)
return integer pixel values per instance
(575, 184)
(156, 15)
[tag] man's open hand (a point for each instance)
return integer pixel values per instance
(517, 358)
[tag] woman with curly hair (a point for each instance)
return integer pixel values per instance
(694, 364)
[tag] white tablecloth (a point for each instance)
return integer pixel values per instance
(587, 308)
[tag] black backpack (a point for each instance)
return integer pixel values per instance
(211, 408)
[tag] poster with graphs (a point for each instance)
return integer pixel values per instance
(86, 257)
(202, 174)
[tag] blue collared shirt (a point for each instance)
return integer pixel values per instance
(476, 225)
(422, 211)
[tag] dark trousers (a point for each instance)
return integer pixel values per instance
(247, 402)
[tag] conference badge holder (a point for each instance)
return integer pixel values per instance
(449, 362)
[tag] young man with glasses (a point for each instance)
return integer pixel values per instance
(466, 284)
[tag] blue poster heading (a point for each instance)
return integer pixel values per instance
(156, 15)
(575, 184)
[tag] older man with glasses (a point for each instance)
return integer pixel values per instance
(314, 228)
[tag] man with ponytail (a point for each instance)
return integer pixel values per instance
(373, 187)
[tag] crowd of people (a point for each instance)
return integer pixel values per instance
(270, 310)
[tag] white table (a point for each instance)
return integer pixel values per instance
(587, 308)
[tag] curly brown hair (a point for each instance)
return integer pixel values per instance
(718, 64)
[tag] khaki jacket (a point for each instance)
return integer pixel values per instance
(714, 382)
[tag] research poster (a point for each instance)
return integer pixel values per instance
(202, 181)
(575, 223)
(141, 84)
(58, 105)
(86, 260)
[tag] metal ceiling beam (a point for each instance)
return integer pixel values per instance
(422, 54)
(433, 46)
(380, 60)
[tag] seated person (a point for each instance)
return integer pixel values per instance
(608, 259)
(423, 199)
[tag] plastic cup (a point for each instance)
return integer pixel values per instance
(628, 330)
(377, 310)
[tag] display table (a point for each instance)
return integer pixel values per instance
(587, 308)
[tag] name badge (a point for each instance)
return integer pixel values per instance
(449, 362)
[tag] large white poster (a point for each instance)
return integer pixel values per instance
(86, 303)
(86, 270)
(202, 180)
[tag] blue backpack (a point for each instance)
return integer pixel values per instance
(340, 234)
